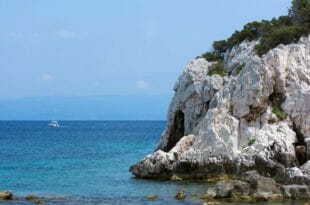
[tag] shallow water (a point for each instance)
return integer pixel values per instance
(84, 162)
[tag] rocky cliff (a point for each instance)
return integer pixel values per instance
(256, 118)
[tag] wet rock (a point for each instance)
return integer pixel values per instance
(193, 194)
(242, 198)
(31, 197)
(152, 196)
(218, 178)
(260, 184)
(6, 195)
(185, 169)
(211, 203)
(301, 180)
(180, 195)
(153, 166)
(266, 197)
(231, 188)
(209, 195)
(295, 191)
(176, 178)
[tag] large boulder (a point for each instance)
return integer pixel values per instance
(231, 188)
(260, 184)
(296, 191)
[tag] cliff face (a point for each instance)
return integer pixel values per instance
(257, 118)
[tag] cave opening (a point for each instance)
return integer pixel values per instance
(177, 131)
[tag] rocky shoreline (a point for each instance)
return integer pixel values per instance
(252, 124)
(8, 196)
(223, 192)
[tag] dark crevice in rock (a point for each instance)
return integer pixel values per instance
(276, 98)
(177, 131)
(255, 112)
(284, 158)
(269, 168)
(206, 106)
(300, 145)
(201, 114)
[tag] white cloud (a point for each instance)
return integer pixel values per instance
(66, 34)
(141, 84)
(47, 77)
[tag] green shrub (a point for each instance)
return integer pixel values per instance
(251, 141)
(277, 110)
(220, 46)
(239, 68)
(300, 12)
(217, 68)
(281, 35)
(212, 56)
(283, 30)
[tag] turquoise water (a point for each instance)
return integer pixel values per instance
(84, 162)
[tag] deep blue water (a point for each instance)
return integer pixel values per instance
(84, 162)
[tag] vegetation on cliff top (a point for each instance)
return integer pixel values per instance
(282, 30)
(217, 68)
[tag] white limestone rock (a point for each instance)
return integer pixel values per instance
(193, 89)
(228, 121)
(239, 55)
(294, 172)
(306, 167)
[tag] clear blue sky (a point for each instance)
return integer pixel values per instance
(95, 48)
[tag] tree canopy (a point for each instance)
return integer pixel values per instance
(282, 30)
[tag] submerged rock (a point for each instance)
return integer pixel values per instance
(211, 203)
(6, 195)
(152, 196)
(31, 197)
(256, 119)
(180, 195)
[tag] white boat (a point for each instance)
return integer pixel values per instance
(53, 123)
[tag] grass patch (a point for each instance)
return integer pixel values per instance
(217, 68)
(277, 110)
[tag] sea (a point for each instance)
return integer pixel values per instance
(85, 162)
